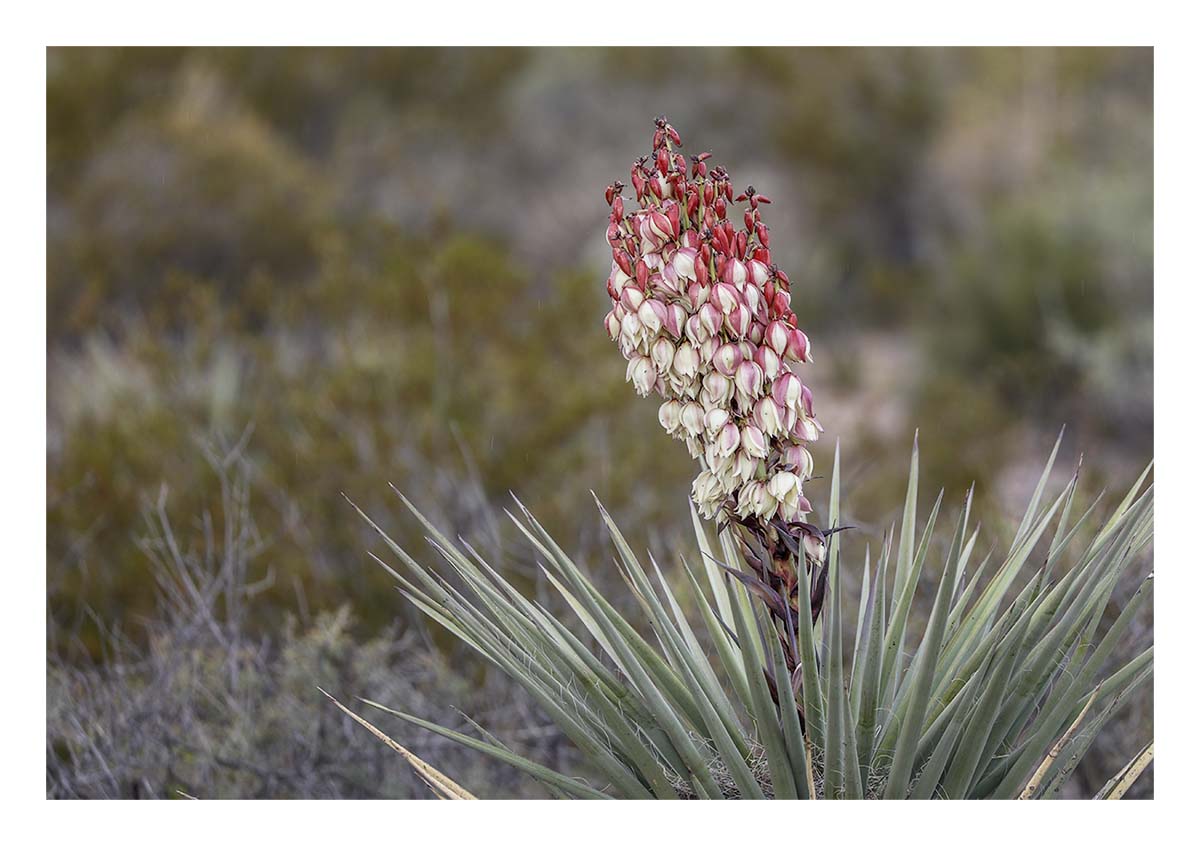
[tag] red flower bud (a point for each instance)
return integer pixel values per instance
(673, 217)
(735, 273)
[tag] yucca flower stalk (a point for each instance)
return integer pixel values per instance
(743, 682)
(705, 320)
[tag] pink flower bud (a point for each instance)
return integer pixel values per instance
(768, 416)
(695, 330)
(652, 313)
(738, 321)
(684, 263)
(718, 389)
(787, 390)
(676, 319)
(715, 420)
(727, 359)
(697, 295)
(754, 300)
(632, 298)
(806, 429)
(678, 284)
(770, 363)
(662, 353)
(691, 418)
(800, 458)
(797, 347)
(726, 297)
(777, 336)
(708, 350)
(668, 415)
(686, 361)
(728, 440)
(806, 400)
(712, 318)
(759, 273)
(660, 226)
(754, 442)
(735, 273)
(749, 379)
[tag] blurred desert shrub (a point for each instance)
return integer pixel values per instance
(383, 266)
(202, 703)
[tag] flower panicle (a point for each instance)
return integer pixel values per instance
(704, 318)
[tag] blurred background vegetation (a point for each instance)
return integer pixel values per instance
(327, 270)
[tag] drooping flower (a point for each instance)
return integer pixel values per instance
(704, 318)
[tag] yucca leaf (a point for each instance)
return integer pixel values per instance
(942, 738)
(716, 579)
(762, 708)
(1035, 500)
(893, 654)
(441, 784)
(570, 785)
(789, 717)
(811, 694)
(970, 749)
(1066, 763)
(865, 680)
(922, 673)
(1118, 785)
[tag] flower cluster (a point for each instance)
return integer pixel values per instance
(705, 320)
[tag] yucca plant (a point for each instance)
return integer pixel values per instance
(1009, 684)
(740, 679)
